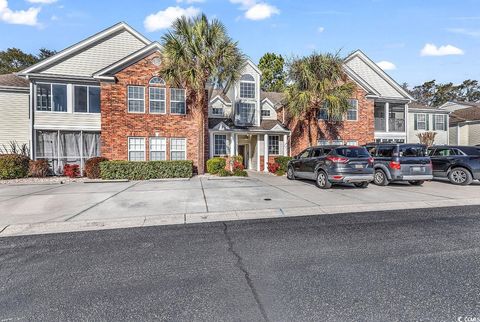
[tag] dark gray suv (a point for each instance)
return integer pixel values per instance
(400, 162)
(328, 165)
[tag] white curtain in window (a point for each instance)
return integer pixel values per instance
(69, 148)
(91, 145)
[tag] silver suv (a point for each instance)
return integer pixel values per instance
(400, 162)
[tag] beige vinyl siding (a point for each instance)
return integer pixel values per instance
(474, 134)
(14, 120)
(453, 131)
(67, 121)
(440, 139)
(372, 78)
(98, 56)
(463, 135)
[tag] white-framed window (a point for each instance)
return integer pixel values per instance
(217, 111)
(439, 122)
(178, 149)
(51, 97)
(158, 149)
(246, 113)
(266, 113)
(337, 142)
(157, 100)
(323, 142)
(273, 144)
(136, 99)
(136, 149)
(220, 144)
(352, 111)
(421, 121)
(177, 101)
(351, 143)
(156, 81)
(86, 99)
(247, 86)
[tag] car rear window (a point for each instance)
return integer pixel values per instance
(413, 151)
(356, 152)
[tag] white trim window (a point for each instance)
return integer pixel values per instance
(51, 97)
(86, 99)
(136, 149)
(178, 149)
(245, 113)
(217, 111)
(157, 100)
(156, 81)
(273, 145)
(421, 122)
(136, 99)
(220, 144)
(177, 101)
(265, 113)
(337, 142)
(158, 149)
(352, 111)
(351, 143)
(439, 122)
(247, 86)
(323, 142)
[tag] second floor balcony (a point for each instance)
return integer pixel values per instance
(390, 117)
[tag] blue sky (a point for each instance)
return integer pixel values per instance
(415, 40)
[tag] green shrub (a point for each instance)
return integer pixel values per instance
(240, 173)
(134, 170)
(280, 172)
(224, 173)
(13, 166)
(38, 168)
(216, 164)
(282, 162)
(92, 167)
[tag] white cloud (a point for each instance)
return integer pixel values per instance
(467, 32)
(386, 65)
(164, 18)
(27, 17)
(320, 29)
(42, 1)
(190, 1)
(256, 11)
(433, 50)
(261, 11)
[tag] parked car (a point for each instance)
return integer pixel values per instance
(329, 165)
(400, 162)
(460, 164)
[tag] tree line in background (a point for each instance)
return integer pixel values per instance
(435, 94)
(13, 60)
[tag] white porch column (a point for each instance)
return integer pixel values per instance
(233, 144)
(212, 142)
(265, 155)
(285, 145)
(258, 152)
(387, 116)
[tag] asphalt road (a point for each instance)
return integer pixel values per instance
(385, 266)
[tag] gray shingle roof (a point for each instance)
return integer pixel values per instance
(275, 97)
(465, 114)
(12, 80)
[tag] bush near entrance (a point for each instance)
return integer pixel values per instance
(92, 167)
(14, 166)
(214, 165)
(145, 170)
(283, 162)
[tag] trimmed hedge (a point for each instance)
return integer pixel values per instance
(282, 162)
(92, 167)
(136, 170)
(39, 169)
(14, 166)
(214, 165)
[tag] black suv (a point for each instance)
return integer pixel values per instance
(333, 164)
(460, 164)
(400, 162)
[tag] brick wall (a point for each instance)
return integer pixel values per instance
(361, 130)
(118, 124)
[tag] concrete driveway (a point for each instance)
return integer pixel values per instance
(205, 198)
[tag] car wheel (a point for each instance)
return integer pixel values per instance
(290, 173)
(322, 180)
(361, 184)
(416, 183)
(460, 176)
(380, 178)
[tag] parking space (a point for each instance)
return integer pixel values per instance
(204, 195)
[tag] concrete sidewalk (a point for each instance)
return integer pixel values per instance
(35, 209)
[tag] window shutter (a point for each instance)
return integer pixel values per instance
(427, 122)
(415, 121)
(434, 121)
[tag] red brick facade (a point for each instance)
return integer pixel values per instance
(361, 130)
(118, 124)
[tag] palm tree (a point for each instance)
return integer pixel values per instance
(316, 81)
(198, 53)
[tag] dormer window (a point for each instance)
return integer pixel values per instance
(247, 86)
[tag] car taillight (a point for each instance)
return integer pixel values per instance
(430, 164)
(337, 159)
(395, 165)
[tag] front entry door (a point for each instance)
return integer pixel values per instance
(243, 151)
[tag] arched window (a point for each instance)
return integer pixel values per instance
(247, 86)
(156, 81)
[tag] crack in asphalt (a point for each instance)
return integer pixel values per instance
(243, 269)
(204, 197)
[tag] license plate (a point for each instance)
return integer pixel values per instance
(358, 166)
(418, 169)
